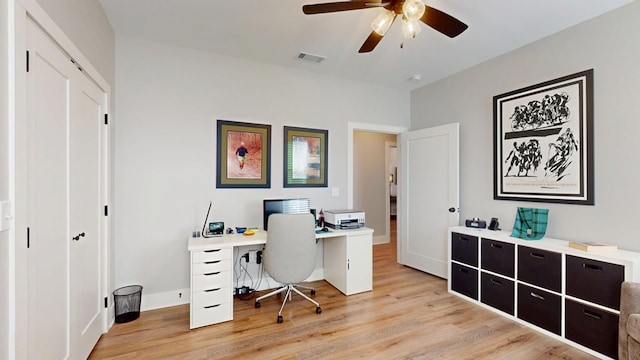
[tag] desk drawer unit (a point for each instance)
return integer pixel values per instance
(594, 328)
(498, 256)
(464, 248)
(595, 281)
(211, 282)
(540, 267)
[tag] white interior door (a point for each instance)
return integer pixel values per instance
(84, 182)
(428, 196)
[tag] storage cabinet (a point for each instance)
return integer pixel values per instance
(211, 279)
(568, 294)
(348, 263)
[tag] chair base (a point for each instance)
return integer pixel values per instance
(289, 288)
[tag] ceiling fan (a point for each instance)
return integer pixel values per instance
(411, 11)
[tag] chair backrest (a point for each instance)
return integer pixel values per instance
(290, 252)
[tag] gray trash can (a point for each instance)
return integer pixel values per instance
(127, 303)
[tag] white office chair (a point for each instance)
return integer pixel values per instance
(290, 255)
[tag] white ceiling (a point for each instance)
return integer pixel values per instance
(275, 31)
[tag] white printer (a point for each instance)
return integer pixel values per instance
(344, 219)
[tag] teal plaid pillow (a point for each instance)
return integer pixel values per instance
(531, 223)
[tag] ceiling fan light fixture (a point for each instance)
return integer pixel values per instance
(383, 22)
(410, 28)
(413, 9)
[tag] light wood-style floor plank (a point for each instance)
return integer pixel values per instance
(408, 315)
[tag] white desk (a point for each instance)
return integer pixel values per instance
(348, 266)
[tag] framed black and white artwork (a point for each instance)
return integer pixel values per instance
(543, 141)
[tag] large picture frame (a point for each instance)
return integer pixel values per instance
(305, 157)
(543, 142)
(244, 155)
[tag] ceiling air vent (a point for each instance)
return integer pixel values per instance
(310, 58)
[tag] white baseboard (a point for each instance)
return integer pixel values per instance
(182, 296)
(382, 239)
(164, 299)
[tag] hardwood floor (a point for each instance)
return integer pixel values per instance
(408, 315)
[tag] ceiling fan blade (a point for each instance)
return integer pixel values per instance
(443, 22)
(371, 42)
(333, 7)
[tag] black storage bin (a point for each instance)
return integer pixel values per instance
(540, 267)
(595, 281)
(127, 303)
(464, 280)
(464, 248)
(497, 292)
(498, 256)
(594, 328)
(540, 308)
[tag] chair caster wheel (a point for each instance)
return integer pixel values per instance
(313, 292)
(280, 319)
(257, 304)
(318, 310)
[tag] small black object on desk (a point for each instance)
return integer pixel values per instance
(476, 223)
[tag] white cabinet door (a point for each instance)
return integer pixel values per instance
(428, 202)
(359, 264)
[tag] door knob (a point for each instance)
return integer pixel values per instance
(452, 209)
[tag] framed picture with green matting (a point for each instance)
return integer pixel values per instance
(305, 157)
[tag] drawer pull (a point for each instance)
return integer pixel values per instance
(211, 251)
(496, 281)
(464, 238)
(592, 267)
(539, 297)
(537, 255)
(212, 262)
(211, 306)
(210, 290)
(592, 314)
(212, 273)
(497, 246)
(463, 270)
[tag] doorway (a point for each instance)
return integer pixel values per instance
(385, 228)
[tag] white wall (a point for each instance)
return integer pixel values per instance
(86, 24)
(169, 99)
(607, 44)
(4, 178)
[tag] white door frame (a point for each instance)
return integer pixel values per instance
(356, 126)
(19, 10)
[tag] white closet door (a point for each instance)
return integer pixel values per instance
(48, 82)
(65, 111)
(87, 111)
